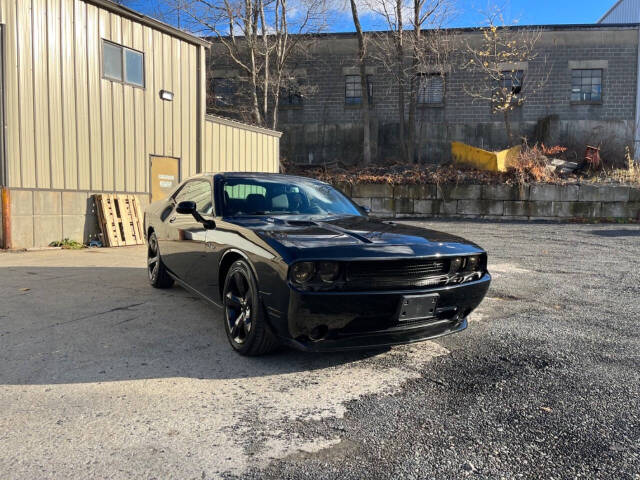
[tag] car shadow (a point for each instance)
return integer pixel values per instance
(77, 325)
(621, 232)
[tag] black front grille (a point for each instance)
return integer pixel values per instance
(397, 273)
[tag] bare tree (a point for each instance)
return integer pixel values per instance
(364, 84)
(260, 39)
(413, 41)
(497, 60)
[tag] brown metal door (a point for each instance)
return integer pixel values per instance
(165, 177)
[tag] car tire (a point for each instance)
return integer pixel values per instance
(244, 318)
(158, 275)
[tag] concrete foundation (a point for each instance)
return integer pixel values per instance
(39, 217)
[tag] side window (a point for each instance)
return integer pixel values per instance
(198, 191)
(122, 64)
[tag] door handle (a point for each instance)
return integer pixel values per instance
(173, 219)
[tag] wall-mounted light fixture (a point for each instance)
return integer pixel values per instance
(166, 95)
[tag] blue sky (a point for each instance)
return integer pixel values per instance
(523, 12)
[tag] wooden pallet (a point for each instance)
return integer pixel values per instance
(120, 219)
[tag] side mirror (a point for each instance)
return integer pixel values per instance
(186, 208)
(190, 208)
(366, 210)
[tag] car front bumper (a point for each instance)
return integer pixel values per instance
(327, 321)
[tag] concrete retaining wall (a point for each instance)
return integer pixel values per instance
(525, 202)
(39, 217)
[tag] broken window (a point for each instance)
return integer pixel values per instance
(353, 90)
(223, 92)
(431, 89)
(291, 94)
(512, 81)
(586, 85)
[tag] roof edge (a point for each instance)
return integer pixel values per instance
(149, 21)
(608, 12)
(245, 126)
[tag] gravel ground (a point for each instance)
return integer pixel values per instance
(544, 383)
(103, 377)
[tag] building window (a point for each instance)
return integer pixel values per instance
(511, 82)
(353, 90)
(431, 89)
(223, 92)
(586, 86)
(122, 64)
(291, 95)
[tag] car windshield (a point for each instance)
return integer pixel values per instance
(295, 196)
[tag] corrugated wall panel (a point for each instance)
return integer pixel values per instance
(25, 91)
(106, 113)
(68, 88)
(93, 82)
(627, 11)
(68, 128)
(149, 107)
(41, 96)
(193, 125)
(12, 96)
(82, 97)
(232, 146)
(55, 94)
(139, 122)
(129, 118)
(118, 115)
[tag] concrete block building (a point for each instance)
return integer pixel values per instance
(99, 98)
(325, 125)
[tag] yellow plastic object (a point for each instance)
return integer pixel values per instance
(469, 156)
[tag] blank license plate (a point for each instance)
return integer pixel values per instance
(417, 307)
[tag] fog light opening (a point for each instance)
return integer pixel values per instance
(319, 333)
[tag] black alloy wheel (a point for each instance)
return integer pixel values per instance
(158, 275)
(245, 324)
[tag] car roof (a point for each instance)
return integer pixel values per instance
(259, 175)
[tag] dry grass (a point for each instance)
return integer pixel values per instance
(532, 166)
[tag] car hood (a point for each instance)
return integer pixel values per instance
(318, 237)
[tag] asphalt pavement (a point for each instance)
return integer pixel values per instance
(104, 377)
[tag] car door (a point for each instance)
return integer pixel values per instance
(184, 245)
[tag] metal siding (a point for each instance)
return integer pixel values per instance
(128, 118)
(117, 98)
(157, 103)
(12, 88)
(627, 11)
(239, 148)
(41, 95)
(193, 107)
(149, 107)
(25, 91)
(82, 99)
(139, 122)
(167, 106)
(55, 94)
(106, 112)
(184, 105)
(93, 88)
(68, 89)
(176, 105)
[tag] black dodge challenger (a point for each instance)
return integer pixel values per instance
(293, 260)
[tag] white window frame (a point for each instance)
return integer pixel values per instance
(123, 61)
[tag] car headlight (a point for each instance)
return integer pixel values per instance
(302, 272)
(472, 263)
(328, 271)
(456, 265)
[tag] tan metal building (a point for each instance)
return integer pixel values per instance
(99, 98)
